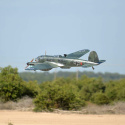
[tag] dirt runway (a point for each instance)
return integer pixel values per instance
(32, 118)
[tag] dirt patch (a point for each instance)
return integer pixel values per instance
(31, 118)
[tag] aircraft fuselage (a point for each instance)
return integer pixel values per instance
(67, 62)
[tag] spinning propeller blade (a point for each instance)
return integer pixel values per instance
(30, 61)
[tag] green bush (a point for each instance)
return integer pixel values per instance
(12, 87)
(10, 84)
(11, 91)
(111, 90)
(31, 89)
(56, 95)
(100, 98)
(115, 90)
(89, 86)
(121, 90)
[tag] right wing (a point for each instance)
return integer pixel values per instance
(77, 54)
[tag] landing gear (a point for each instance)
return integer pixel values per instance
(93, 68)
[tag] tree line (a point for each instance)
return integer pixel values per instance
(62, 93)
(47, 76)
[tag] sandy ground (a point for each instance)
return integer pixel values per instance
(32, 118)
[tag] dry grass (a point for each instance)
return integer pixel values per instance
(10, 123)
(24, 104)
(117, 108)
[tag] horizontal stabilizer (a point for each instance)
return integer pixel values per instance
(101, 61)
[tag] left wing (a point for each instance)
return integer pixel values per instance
(43, 66)
(77, 54)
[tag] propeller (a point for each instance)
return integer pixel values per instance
(28, 64)
(93, 68)
(32, 60)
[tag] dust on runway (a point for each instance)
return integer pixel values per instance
(32, 118)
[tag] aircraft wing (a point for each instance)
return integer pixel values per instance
(43, 66)
(77, 54)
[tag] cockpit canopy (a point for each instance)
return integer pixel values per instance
(58, 56)
(44, 56)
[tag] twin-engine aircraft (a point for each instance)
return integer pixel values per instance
(48, 62)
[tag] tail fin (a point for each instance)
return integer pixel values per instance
(93, 57)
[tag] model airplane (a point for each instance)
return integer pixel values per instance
(47, 62)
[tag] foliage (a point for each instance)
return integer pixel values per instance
(88, 86)
(115, 90)
(31, 89)
(58, 94)
(61, 93)
(10, 84)
(100, 98)
(12, 87)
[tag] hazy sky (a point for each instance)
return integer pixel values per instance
(29, 27)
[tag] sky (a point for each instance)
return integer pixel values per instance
(29, 27)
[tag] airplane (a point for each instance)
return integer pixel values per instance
(48, 62)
